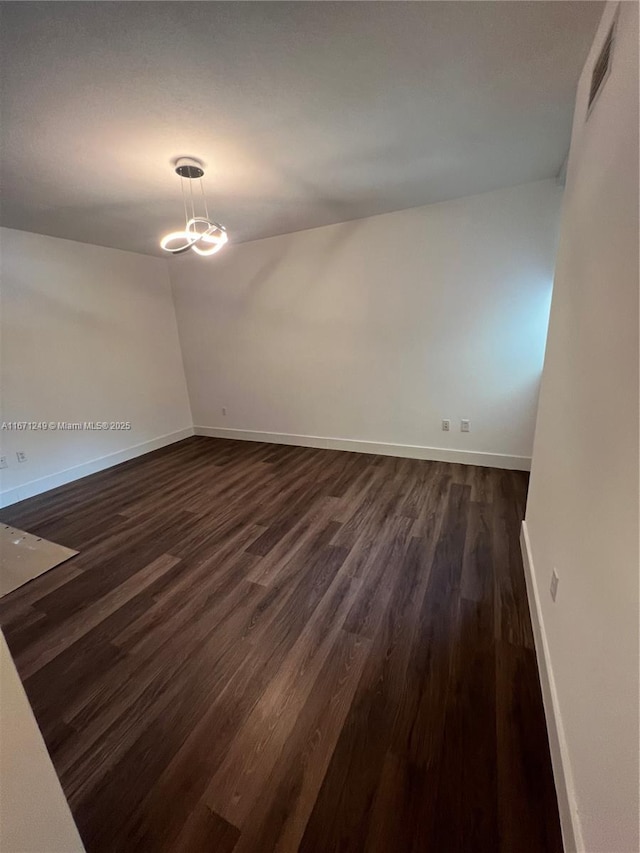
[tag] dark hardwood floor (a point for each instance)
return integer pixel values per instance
(264, 648)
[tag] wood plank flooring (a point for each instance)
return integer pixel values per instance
(264, 648)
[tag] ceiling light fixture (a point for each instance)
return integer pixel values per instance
(201, 235)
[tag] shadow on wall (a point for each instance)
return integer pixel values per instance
(56, 308)
(251, 282)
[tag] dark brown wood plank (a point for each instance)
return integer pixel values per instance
(280, 812)
(527, 805)
(263, 648)
(204, 830)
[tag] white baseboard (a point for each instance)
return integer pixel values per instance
(569, 819)
(410, 451)
(52, 481)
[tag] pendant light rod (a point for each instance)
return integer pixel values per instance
(201, 235)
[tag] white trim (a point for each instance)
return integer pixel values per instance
(380, 448)
(52, 481)
(569, 818)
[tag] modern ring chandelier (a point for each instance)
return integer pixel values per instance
(200, 234)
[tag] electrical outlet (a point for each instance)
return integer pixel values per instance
(21, 456)
(446, 424)
(465, 425)
(224, 411)
(553, 589)
(3, 462)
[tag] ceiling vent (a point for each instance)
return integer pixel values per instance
(601, 68)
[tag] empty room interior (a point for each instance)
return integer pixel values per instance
(319, 469)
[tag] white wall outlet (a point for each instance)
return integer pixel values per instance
(3, 462)
(224, 411)
(553, 588)
(465, 425)
(446, 424)
(21, 456)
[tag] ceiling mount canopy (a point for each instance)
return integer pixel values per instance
(200, 234)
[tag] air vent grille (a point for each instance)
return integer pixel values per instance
(602, 67)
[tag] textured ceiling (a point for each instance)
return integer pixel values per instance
(305, 113)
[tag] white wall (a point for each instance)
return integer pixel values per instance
(582, 515)
(88, 334)
(375, 330)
